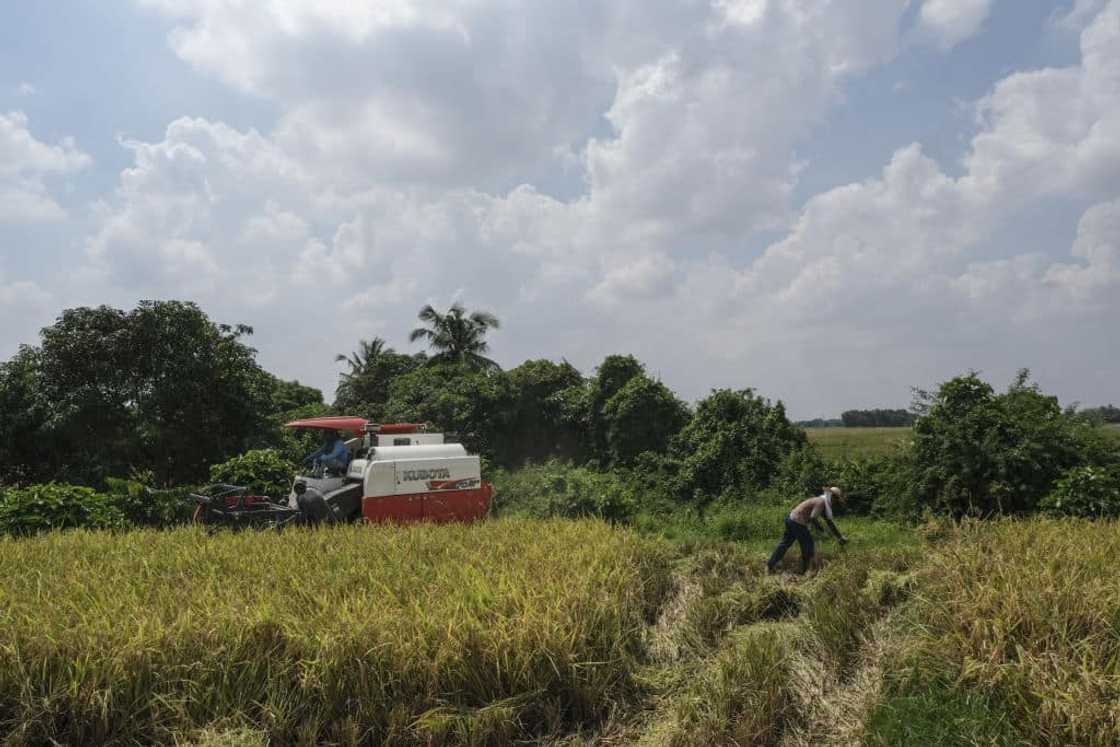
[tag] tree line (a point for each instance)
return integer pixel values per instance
(877, 418)
(163, 394)
(163, 391)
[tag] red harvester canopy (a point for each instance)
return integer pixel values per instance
(355, 425)
(390, 428)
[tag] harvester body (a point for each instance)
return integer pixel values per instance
(397, 473)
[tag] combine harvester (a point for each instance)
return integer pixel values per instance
(398, 473)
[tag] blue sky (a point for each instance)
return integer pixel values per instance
(829, 202)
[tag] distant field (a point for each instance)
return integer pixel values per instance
(856, 442)
(839, 443)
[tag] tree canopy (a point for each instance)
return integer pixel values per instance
(364, 387)
(456, 336)
(978, 453)
(159, 388)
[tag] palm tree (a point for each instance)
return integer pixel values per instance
(364, 358)
(457, 336)
(363, 387)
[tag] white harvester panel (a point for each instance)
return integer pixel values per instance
(404, 470)
(408, 439)
(433, 475)
(396, 453)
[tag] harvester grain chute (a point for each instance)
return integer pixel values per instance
(397, 473)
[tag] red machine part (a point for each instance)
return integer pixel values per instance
(354, 425)
(392, 428)
(439, 506)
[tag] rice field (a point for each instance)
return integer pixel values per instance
(847, 443)
(1015, 637)
(562, 632)
(423, 635)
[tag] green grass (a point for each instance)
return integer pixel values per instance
(941, 716)
(847, 443)
(757, 527)
(489, 633)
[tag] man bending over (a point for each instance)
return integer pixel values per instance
(797, 527)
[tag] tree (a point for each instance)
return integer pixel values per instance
(980, 453)
(475, 404)
(541, 424)
(641, 417)
(877, 418)
(364, 389)
(23, 411)
(160, 387)
(457, 337)
(1101, 415)
(613, 374)
(734, 441)
(288, 396)
(365, 356)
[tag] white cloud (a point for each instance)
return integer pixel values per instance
(421, 165)
(25, 164)
(25, 307)
(892, 268)
(949, 22)
(1097, 278)
(26, 89)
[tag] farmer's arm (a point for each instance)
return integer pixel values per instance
(832, 526)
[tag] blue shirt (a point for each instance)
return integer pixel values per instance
(336, 451)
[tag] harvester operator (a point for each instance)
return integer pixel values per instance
(797, 527)
(333, 454)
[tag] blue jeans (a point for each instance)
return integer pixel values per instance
(794, 533)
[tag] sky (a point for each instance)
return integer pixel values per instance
(830, 202)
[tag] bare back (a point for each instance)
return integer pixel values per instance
(810, 509)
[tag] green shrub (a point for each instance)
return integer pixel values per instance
(39, 508)
(1090, 492)
(876, 483)
(264, 471)
(803, 471)
(559, 489)
(143, 506)
(978, 453)
(736, 441)
(642, 417)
